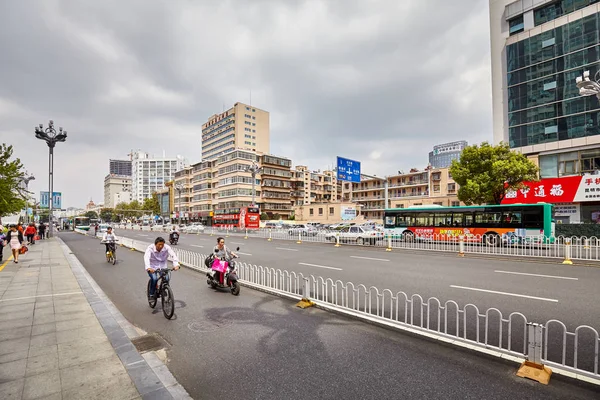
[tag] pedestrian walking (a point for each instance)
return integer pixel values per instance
(20, 227)
(2, 240)
(42, 230)
(30, 232)
(15, 239)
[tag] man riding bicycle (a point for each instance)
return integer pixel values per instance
(156, 258)
(109, 239)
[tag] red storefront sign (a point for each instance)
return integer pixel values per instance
(556, 190)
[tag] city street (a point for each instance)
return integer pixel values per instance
(541, 289)
(261, 346)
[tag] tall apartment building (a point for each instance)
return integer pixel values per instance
(443, 154)
(433, 186)
(243, 127)
(314, 186)
(539, 48)
(119, 167)
(117, 189)
(182, 192)
(149, 174)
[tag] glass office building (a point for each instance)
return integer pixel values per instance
(539, 48)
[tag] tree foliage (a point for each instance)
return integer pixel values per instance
(486, 172)
(108, 215)
(152, 205)
(91, 215)
(12, 196)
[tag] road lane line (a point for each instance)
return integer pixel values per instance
(504, 293)
(236, 243)
(41, 295)
(244, 254)
(541, 276)
(369, 258)
(320, 266)
(196, 245)
(4, 265)
(143, 235)
(284, 248)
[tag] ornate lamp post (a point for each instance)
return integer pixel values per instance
(50, 136)
(588, 87)
(26, 181)
(254, 169)
(179, 188)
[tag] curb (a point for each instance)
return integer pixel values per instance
(151, 376)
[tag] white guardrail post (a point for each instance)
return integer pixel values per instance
(337, 239)
(389, 243)
(299, 237)
(270, 235)
(533, 368)
(305, 302)
(246, 236)
(461, 246)
(568, 249)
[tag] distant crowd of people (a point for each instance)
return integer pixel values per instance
(16, 236)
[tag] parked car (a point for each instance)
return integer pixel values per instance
(304, 230)
(273, 225)
(356, 234)
(195, 228)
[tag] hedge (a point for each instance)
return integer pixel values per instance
(587, 230)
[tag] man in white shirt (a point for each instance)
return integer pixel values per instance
(156, 258)
(109, 239)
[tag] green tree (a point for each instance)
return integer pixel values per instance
(107, 214)
(151, 205)
(264, 216)
(91, 214)
(485, 173)
(12, 196)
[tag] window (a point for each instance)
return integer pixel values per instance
(311, 212)
(516, 25)
(320, 211)
(253, 124)
(253, 110)
(331, 211)
(253, 117)
(455, 204)
(443, 219)
(253, 130)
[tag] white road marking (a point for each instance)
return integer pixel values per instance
(143, 235)
(244, 254)
(320, 266)
(284, 248)
(504, 293)
(236, 243)
(369, 258)
(541, 276)
(42, 295)
(196, 245)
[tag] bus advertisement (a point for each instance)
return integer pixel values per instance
(490, 224)
(243, 218)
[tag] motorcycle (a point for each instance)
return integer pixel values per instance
(174, 238)
(227, 274)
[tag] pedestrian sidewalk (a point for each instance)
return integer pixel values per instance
(61, 338)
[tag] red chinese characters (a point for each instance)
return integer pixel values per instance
(552, 190)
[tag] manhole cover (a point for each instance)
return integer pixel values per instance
(207, 326)
(150, 342)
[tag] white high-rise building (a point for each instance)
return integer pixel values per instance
(149, 174)
(116, 188)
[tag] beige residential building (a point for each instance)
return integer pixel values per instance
(328, 213)
(117, 189)
(314, 186)
(181, 198)
(416, 188)
(243, 127)
(276, 186)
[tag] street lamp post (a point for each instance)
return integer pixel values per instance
(179, 188)
(588, 87)
(26, 181)
(254, 169)
(50, 136)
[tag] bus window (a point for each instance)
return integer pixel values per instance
(467, 220)
(424, 219)
(457, 219)
(511, 219)
(391, 221)
(533, 218)
(443, 219)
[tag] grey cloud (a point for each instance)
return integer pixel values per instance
(379, 81)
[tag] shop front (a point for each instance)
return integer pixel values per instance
(576, 199)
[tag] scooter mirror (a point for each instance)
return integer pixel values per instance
(238, 249)
(216, 250)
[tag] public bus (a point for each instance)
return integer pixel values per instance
(489, 224)
(242, 218)
(82, 223)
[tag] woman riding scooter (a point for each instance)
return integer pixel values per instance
(221, 251)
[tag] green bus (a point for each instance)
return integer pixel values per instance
(82, 223)
(492, 224)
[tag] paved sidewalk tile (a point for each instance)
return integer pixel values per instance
(52, 345)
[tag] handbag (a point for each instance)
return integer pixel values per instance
(23, 250)
(36, 237)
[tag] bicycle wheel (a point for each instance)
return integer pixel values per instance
(114, 258)
(107, 257)
(168, 302)
(151, 301)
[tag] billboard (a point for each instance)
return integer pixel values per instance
(348, 213)
(56, 200)
(348, 170)
(568, 189)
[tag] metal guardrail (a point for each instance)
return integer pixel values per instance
(559, 247)
(489, 331)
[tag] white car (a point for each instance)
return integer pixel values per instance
(304, 230)
(195, 228)
(356, 234)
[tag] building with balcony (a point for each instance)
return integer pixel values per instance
(182, 194)
(314, 186)
(117, 189)
(149, 174)
(242, 127)
(432, 186)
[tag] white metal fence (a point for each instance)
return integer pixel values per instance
(573, 351)
(560, 247)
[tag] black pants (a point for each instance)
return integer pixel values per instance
(30, 239)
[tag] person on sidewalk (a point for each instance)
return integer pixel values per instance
(15, 239)
(156, 258)
(2, 239)
(42, 230)
(30, 232)
(20, 227)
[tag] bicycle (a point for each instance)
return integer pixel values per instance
(111, 254)
(163, 290)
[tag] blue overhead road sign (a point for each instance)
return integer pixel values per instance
(348, 170)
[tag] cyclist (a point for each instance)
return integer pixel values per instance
(109, 239)
(156, 258)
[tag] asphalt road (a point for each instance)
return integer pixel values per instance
(258, 346)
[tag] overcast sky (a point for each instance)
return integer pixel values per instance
(380, 81)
